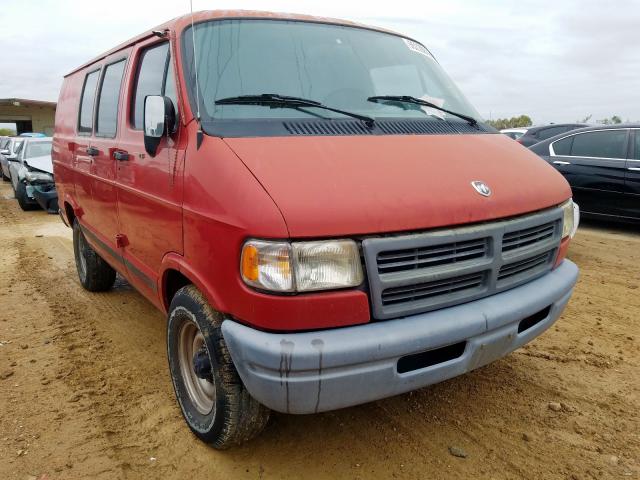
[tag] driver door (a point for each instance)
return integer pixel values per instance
(149, 188)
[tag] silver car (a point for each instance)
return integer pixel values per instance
(8, 151)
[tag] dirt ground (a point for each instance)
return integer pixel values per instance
(85, 389)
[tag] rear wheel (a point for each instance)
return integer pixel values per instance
(214, 401)
(95, 274)
(23, 199)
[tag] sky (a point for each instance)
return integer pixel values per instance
(556, 61)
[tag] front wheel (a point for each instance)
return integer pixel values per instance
(214, 401)
(95, 274)
(23, 199)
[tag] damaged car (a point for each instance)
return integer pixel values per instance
(31, 173)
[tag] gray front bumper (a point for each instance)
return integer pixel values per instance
(330, 369)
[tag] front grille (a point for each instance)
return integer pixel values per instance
(461, 284)
(527, 236)
(410, 274)
(431, 256)
(524, 266)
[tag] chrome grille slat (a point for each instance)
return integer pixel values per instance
(415, 273)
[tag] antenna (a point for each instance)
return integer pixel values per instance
(199, 134)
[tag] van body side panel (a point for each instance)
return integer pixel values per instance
(103, 168)
(63, 144)
(150, 191)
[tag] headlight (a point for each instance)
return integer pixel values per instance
(567, 218)
(301, 266)
(32, 177)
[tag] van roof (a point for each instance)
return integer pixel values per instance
(180, 23)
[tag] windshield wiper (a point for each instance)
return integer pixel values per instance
(274, 100)
(399, 100)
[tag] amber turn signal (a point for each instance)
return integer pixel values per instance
(250, 262)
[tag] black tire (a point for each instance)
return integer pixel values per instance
(23, 199)
(95, 274)
(234, 416)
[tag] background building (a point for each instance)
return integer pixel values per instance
(28, 115)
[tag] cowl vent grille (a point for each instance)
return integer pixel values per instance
(325, 127)
(381, 127)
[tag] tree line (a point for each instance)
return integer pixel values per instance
(524, 121)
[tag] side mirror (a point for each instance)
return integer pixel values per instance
(159, 119)
(5, 152)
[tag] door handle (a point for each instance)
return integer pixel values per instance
(634, 169)
(120, 155)
(560, 162)
(92, 151)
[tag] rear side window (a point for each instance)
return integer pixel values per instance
(563, 147)
(551, 132)
(637, 145)
(85, 122)
(602, 144)
(106, 125)
(155, 77)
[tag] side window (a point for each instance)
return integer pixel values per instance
(107, 115)
(152, 70)
(637, 145)
(85, 122)
(603, 144)
(563, 147)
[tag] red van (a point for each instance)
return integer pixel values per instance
(321, 214)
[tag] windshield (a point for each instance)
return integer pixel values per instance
(336, 65)
(37, 149)
(17, 146)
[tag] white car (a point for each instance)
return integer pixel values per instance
(514, 133)
(32, 170)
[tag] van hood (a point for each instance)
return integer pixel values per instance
(352, 185)
(42, 163)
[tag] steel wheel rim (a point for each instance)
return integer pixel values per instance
(82, 252)
(202, 392)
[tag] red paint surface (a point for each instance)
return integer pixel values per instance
(190, 210)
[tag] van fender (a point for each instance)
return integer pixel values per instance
(175, 261)
(77, 210)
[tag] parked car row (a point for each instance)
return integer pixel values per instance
(26, 163)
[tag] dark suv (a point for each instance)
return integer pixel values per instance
(538, 134)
